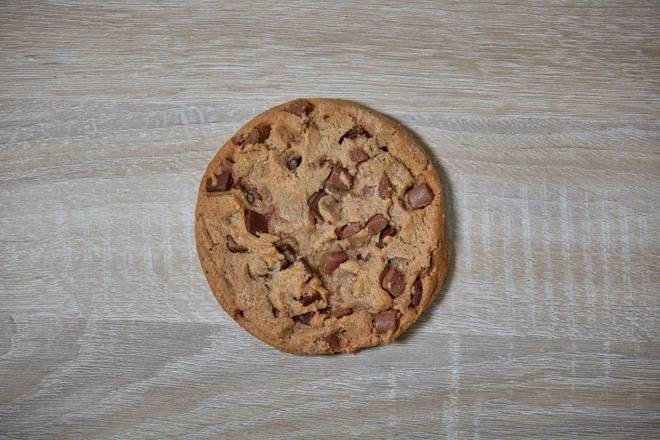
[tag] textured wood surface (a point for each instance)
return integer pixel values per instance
(544, 118)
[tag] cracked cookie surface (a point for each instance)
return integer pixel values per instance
(320, 227)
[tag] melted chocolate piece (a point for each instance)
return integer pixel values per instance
(419, 196)
(417, 293)
(300, 107)
(330, 261)
(235, 247)
(339, 178)
(313, 204)
(384, 187)
(377, 223)
(349, 229)
(255, 222)
(304, 318)
(293, 163)
(309, 298)
(224, 182)
(333, 341)
(392, 281)
(340, 313)
(358, 155)
(353, 133)
(387, 232)
(385, 321)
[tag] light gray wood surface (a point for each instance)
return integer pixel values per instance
(544, 119)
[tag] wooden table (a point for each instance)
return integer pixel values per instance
(544, 118)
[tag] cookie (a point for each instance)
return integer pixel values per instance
(320, 227)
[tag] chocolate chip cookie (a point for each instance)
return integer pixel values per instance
(320, 227)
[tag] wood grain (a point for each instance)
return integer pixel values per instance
(542, 116)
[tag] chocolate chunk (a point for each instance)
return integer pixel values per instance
(239, 139)
(235, 247)
(308, 268)
(276, 313)
(417, 293)
(258, 134)
(300, 107)
(358, 155)
(331, 261)
(287, 250)
(367, 191)
(387, 232)
(333, 341)
(210, 186)
(377, 223)
(238, 314)
(349, 229)
(313, 204)
(309, 298)
(223, 182)
(339, 178)
(353, 133)
(419, 196)
(384, 148)
(289, 254)
(304, 318)
(392, 281)
(227, 165)
(385, 321)
(251, 194)
(384, 187)
(340, 313)
(293, 163)
(255, 222)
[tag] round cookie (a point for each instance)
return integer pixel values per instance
(320, 227)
